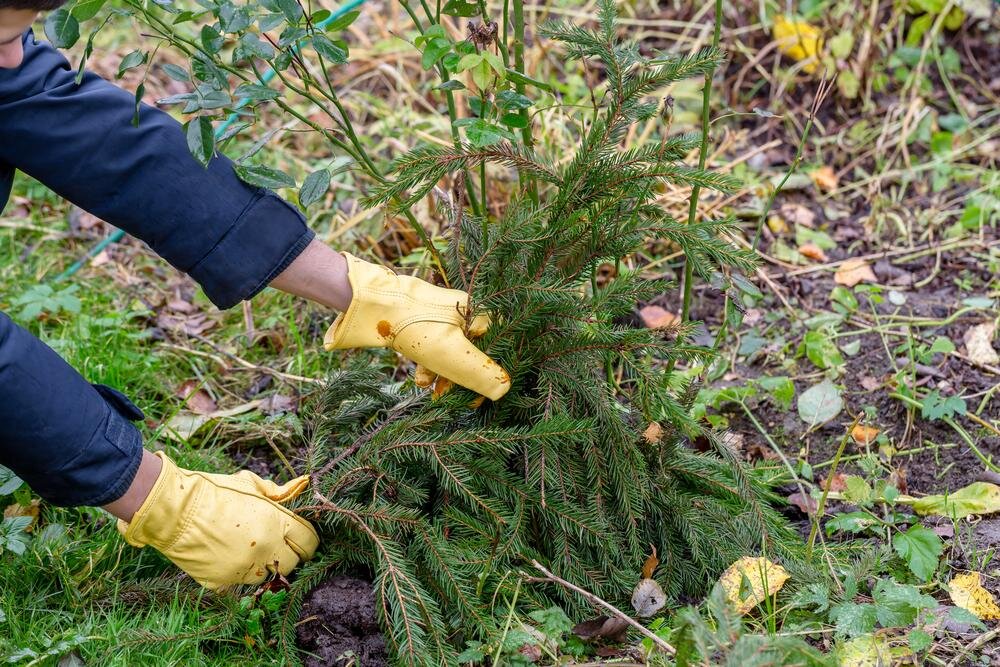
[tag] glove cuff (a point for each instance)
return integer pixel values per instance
(162, 517)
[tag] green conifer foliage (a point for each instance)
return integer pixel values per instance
(446, 504)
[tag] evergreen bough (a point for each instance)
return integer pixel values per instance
(446, 503)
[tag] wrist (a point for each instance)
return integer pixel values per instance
(145, 478)
(319, 274)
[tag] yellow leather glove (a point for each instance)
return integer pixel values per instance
(420, 321)
(222, 529)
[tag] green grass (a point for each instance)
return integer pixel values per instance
(80, 586)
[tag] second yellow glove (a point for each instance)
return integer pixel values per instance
(222, 529)
(423, 322)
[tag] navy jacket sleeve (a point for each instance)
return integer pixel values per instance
(79, 140)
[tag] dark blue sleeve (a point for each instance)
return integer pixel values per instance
(79, 140)
(70, 441)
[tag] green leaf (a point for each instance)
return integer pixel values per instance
(9, 482)
(460, 8)
(201, 139)
(853, 619)
(84, 10)
(256, 93)
(314, 188)
(264, 177)
(852, 522)
(858, 490)
(291, 10)
(919, 640)
(920, 548)
(234, 19)
(934, 406)
(510, 100)
(343, 22)
(176, 73)
(898, 605)
(62, 28)
(451, 85)
(329, 49)
(131, 61)
(434, 51)
(483, 133)
(821, 350)
(210, 39)
(781, 389)
(251, 46)
(820, 403)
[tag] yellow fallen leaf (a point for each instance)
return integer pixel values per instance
(799, 41)
(29, 510)
(824, 179)
(854, 271)
(865, 651)
(864, 435)
(777, 224)
(750, 580)
(966, 592)
(976, 498)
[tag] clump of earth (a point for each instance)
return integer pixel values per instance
(338, 625)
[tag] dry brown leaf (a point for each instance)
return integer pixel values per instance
(277, 404)
(653, 433)
(835, 483)
(30, 510)
(864, 435)
(804, 502)
(750, 580)
(654, 317)
(196, 399)
(854, 271)
(870, 383)
(798, 214)
(612, 629)
(824, 178)
(813, 252)
(979, 344)
(650, 565)
(967, 592)
(648, 598)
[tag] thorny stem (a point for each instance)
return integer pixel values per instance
(706, 98)
(529, 142)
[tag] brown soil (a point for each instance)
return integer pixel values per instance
(338, 625)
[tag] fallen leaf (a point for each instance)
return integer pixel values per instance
(278, 404)
(812, 251)
(653, 433)
(183, 425)
(854, 271)
(30, 510)
(864, 435)
(835, 483)
(195, 398)
(799, 41)
(648, 598)
(824, 178)
(865, 651)
(798, 214)
(979, 344)
(750, 580)
(650, 565)
(777, 224)
(804, 502)
(820, 403)
(654, 317)
(612, 629)
(967, 592)
(976, 498)
(870, 383)
(193, 325)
